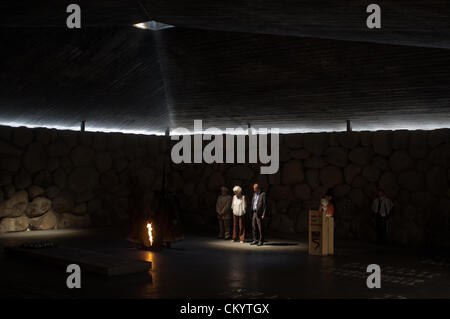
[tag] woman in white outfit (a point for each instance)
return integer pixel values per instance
(238, 206)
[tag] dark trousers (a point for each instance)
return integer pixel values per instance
(381, 225)
(224, 227)
(257, 228)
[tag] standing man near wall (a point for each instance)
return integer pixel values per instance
(259, 211)
(381, 207)
(223, 210)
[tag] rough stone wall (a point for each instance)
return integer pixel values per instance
(62, 179)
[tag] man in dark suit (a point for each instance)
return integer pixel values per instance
(258, 209)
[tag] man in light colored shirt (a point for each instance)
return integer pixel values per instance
(381, 207)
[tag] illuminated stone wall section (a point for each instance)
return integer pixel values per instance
(67, 179)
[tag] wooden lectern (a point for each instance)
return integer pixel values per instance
(321, 234)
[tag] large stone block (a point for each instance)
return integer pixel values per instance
(423, 199)
(5, 133)
(52, 164)
(312, 178)
(109, 180)
(35, 158)
(80, 209)
(119, 216)
(366, 138)
(175, 182)
(43, 178)
(43, 136)
(52, 191)
(10, 163)
(440, 155)
(99, 142)
(59, 178)
(315, 143)
(9, 190)
(63, 202)
(275, 179)
(371, 173)
(103, 161)
(331, 176)
(39, 206)
(263, 182)
(349, 139)
(14, 206)
(58, 148)
(81, 156)
(22, 180)
(86, 138)
(314, 162)
(66, 164)
(242, 172)
(437, 181)
(382, 142)
(350, 172)
(284, 154)
(358, 198)
(14, 224)
(94, 205)
(411, 180)
(101, 218)
(400, 161)
(115, 141)
(418, 147)
(72, 221)
(7, 149)
(292, 172)
(189, 188)
(388, 183)
(6, 178)
(333, 139)
(293, 141)
(35, 191)
(300, 154)
(381, 162)
(22, 136)
(215, 181)
(340, 190)
(83, 178)
(371, 190)
(437, 137)
(278, 192)
(302, 222)
(282, 223)
(400, 139)
(70, 138)
(359, 182)
(361, 155)
(302, 191)
(318, 194)
(336, 156)
(44, 222)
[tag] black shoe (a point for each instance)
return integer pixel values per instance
(260, 243)
(227, 238)
(253, 243)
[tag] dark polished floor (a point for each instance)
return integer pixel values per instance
(204, 267)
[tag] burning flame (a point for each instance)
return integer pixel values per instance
(150, 235)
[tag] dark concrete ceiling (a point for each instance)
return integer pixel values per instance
(121, 78)
(110, 77)
(408, 22)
